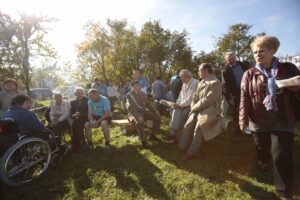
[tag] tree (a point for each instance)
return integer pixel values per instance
(237, 40)
(22, 40)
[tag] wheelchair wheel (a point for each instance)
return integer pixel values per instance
(23, 161)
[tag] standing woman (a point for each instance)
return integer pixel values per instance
(270, 112)
(10, 90)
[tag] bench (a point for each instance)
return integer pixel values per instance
(124, 124)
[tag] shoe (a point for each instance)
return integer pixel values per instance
(153, 137)
(145, 145)
(181, 150)
(187, 157)
(232, 127)
(263, 167)
(107, 147)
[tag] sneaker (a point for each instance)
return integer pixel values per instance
(153, 137)
(263, 167)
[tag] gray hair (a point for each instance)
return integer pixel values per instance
(229, 53)
(79, 88)
(185, 72)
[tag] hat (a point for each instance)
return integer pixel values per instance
(135, 82)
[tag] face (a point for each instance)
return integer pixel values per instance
(10, 86)
(79, 94)
(27, 104)
(231, 60)
(58, 99)
(202, 73)
(184, 78)
(136, 74)
(100, 82)
(263, 55)
(94, 96)
(137, 87)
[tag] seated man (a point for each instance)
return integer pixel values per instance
(99, 114)
(204, 121)
(140, 110)
(26, 120)
(79, 113)
(181, 108)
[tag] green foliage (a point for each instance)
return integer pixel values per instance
(237, 40)
(19, 41)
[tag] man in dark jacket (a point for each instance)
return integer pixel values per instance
(231, 82)
(79, 113)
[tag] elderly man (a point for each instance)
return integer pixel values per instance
(204, 121)
(231, 82)
(140, 110)
(79, 113)
(181, 108)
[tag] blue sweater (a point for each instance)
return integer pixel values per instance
(26, 120)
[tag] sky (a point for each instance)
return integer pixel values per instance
(202, 19)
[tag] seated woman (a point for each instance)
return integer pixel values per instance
(26, 120)
(59, 114)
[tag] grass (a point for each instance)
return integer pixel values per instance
(225, 169)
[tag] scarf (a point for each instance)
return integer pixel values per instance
(270, 100)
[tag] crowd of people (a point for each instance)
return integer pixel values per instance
(198, 111)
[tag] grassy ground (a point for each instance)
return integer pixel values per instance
(224, 169)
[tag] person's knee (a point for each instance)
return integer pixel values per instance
(87, 125)
(103, 124)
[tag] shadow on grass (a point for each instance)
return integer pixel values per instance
(132, 172)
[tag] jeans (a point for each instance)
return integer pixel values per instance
(121, 100)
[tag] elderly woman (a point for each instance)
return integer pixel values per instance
(269, 112)
(10, 87)
(59, 114)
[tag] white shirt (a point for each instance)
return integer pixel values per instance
(187, 92)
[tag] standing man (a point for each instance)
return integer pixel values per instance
(204, 122)
(79, 113)
(137, 76)
(140, 110)
(231, 82)
(181, 108)
(99, 114)
(176, 85)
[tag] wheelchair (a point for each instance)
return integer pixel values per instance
(24, 158)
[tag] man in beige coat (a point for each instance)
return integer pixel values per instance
(204, 121)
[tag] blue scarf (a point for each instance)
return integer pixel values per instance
(270, 100)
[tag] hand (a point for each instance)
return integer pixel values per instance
(243, 127)
(175, 105)
(95, 124)
(76, 115)
(53, 123)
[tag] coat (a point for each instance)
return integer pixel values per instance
(207, 102)
(137, 104)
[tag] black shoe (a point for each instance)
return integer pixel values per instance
(153, 137)
(145, 145)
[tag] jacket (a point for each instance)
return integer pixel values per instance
(137, 103)
(66, 107)
(207, 102)
(26, 120)
(230, 89)
(187, 92)
(253, 93)
(83, 108)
